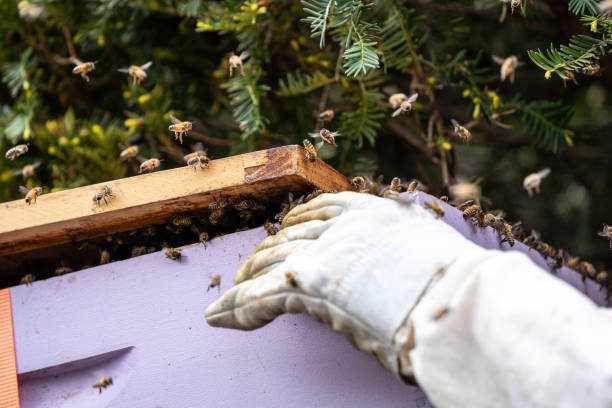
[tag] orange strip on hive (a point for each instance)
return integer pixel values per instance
(9, 391)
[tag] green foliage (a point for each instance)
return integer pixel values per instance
(580, 6)
(299, 84)
(547, 120)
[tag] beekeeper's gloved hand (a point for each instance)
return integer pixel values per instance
(475, 327)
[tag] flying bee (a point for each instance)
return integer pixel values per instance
(179, 128)
(237, 62)
(508, 67)
(311, 152)
(405, 106)
(461, 132)
(516, 3)
(327, 115)
(605, 8)
(396, 100)
(602, 277)
(606, 232)
(173, 253)
(104, 193)
(30, 194)
(591, 69)
(103, 383)
(138, 73)
(204, 238)
(587, 269)
(215, 282)
(532, 182)
(83, 68)
(434, 207)
(139, 250)
(291, 280)
(16, 151)
(27, 279)
(270, 228)
(27, 171)
(326, 137)
(569, 76)
(149, 165)
(104, 257)
(128, 153)
(62, 270)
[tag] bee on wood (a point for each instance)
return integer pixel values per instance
(291, 280)
(83, 68)
(215, 282)
(197, 160)
(327, 115)
(139, 250)
(128, 153)
(181, 221)
(532, 182)
(204, 238)
(103, 383)
(326, 137)
(546, 250)
(104, 257)
(138, 73)
(30, 194)
(237, 62)
(149, 165)
(472, 211)
(173, 253)
(461, 132)
(62, 270)
(508, 67)
(104, 193)
(28, 170)
(587, 269)
(591, 69)
(602, 277)
(270, 228)
(16, 151)
(606, 232)
(406, 105)
(217, 211)
(434, 207)
(311, 152)
(179, 128)
(28, 279)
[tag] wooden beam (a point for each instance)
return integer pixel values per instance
(139, 201)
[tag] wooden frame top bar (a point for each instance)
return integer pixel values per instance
(70, 215)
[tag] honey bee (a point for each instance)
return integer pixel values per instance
(237, 62)
(573, 263)
(461, 132)
(288, 206)
(139, 250)
(472, 211)
(587, 269)
(138, 73)
(569, 76)
(181, 221)
(394, 188)
(508, 67)
(311, 152)
(28, 279)
(128, 153)
(606, 232)
(488, 219)
(605, 7)
(602, 277)
(518, 231)
(591, 69)
(359, 183)
(532, 182)
(506, 231)
(406, 105)
(514, 4)
(149, 165)
(465, 204)
(291, 280)
(197, 160)
(173, 253)
(104, 193)
(546, 250)
(83, 68)
(103, 383)
(104, 257)
(327, 115)
(270, 228)
(434, 207)
(396, 100)
(215, 282)
(326, 137)
(27, 171)
(243, 126)
(16, 151)
(217, 211)
(179, 128)
(559, 259)
(204, 238)
(30, 194)
(62, 270)
(533, 239)
(313, 194)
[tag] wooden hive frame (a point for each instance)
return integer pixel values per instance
(139, 201)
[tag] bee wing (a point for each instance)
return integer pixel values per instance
(24, 189)
(174, 120)
(319, 145)
(314, 135)
(244, 55)
(124, 70)
(413, 97)
(336, 134)
(544, 172)
(17, 173)
(36, 164)
(603, 234)
(455, 123)
(146, 65)
(397, 112)
(497, 60)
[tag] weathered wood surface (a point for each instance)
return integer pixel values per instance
(141, 322)
(139, 201)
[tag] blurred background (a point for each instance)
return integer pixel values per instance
(442, 50)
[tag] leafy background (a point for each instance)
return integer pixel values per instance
(308, 55)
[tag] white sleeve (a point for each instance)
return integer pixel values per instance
(498, 331)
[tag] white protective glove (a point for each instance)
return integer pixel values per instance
(354, 261)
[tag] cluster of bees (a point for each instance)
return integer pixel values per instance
(509, 232)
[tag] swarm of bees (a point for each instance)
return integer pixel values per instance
(103, 383)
